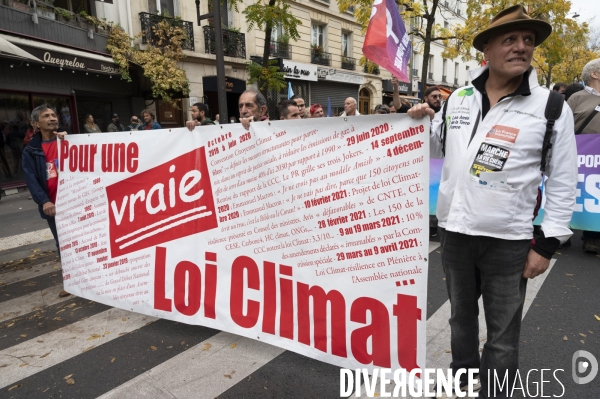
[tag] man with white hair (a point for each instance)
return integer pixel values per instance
(350, 107)
(585, 105)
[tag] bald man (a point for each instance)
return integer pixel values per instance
(350, 107)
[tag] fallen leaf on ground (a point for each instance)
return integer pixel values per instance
(230, 374)
(45, 354)
(45, 389)
(57, 318)
(448, 351)
(597, 317)
(94, 336)
(182, 342)
(122, 334)
(569, 274)
(70, 381)
(583, 335)
(565, 338)
(87, 349)
(205, 347)
(71, 305)
(150, 322)
(10, 325)
(582, 341)
(233, 345)
(23, 335)
(40, 341)
(112, 359)
(24, 364)
(62, 310)
(14, 387)
(169, 347)
(67, 377)
(4, 365)
(153, 347)
(106, 332)
(123, 319)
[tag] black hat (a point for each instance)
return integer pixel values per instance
(114, 115)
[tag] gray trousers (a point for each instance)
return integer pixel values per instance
(490, 267)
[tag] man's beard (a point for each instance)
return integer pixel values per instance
(436, 109)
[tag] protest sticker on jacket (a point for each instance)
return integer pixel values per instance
(309, 235)
(489, 158)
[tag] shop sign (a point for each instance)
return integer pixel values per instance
(337, 76)
(295, 70)
(65, 60)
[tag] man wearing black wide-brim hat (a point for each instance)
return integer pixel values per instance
(491, 136)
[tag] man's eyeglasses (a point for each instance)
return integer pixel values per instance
(435, 95)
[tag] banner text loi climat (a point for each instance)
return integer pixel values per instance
(310, 235)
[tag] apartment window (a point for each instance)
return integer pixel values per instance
(318, 35)
(444, 70)
(75, 6)
(164, 7)
(346, 44)
(276, 32)
(446, 25)
(456, 73)
(430, 67)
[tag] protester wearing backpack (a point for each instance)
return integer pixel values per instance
(493, 136)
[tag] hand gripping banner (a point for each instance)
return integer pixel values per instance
(389, 47)
(310, 235)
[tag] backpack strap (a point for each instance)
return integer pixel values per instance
(587, 120)
(444, 127)
(552, 113)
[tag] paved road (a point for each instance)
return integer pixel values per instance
(76, 348)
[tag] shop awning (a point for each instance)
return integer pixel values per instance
(10, 50)
(64, 57)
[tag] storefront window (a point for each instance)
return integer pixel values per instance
(14, 123)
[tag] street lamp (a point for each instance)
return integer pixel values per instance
(221, 92)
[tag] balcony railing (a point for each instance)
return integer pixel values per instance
(150, 21)
(374, 72)
(279, 49)
(73, 34)
(444, 79)
(320, 57)
(466, 82)
(415, 72)
(456, 81)
(430, 76)
(234, 43)
(348, 63)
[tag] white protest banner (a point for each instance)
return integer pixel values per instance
(311, 235)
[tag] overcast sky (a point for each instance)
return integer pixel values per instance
(589, 10)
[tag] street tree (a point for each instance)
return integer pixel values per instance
(419, 17)
(267, 14)
(566, 32)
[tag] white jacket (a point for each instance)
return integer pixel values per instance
(470, 206)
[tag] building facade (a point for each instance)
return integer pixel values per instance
(49, 53)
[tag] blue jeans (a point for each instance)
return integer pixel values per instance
(490, 267)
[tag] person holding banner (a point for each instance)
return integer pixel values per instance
(253, 107)
(40, 167)
(199, 116)
(585, 105)
(491, 138)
